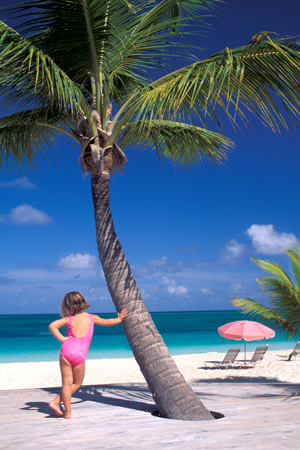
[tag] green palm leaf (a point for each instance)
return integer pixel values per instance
(237, 81)
(295, 266)
(27, 134)
(183, 144)
(27, 74)
(283, 295)
(271, 317)
(118, 34)
(273, 268)
(77, 48)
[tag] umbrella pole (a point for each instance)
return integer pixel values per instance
(244, 353)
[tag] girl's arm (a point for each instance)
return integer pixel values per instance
(54, 328)
(109, 322)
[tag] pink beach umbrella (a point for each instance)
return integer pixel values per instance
(247, 330)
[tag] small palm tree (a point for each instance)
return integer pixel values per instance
(283, 293)
(82, 68)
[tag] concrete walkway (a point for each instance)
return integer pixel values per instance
(259, 415)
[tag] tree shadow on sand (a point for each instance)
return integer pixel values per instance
(137, 397)
(247, 387)
(241, 375)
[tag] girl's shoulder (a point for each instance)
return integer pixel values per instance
(96, 318)
(61, 322)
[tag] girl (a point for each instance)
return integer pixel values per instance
(75, 346)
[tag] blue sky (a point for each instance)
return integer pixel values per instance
(188, 235)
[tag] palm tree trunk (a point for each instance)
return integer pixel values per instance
(173, 396)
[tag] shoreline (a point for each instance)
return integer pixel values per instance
(95, 353)
(273, 368)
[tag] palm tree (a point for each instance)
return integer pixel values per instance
(283, 293)
(75, 62)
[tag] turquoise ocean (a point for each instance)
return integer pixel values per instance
(26, 338)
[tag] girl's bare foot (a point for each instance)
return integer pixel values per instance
(67, 416)
(56, 408)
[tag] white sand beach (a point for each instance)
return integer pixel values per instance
(273, 368)
(113, 408)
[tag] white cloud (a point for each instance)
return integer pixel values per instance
(206, 291)
(78, 262)
(177, 290)
(95, 295)
(45, 276)
(233, 252)
(157, 263)
(173, 288)
(31, 285)
(236, 288)
(26, 215)
(19, 183)
(268, 241)
(157, 267)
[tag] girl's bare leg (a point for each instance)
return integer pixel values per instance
(77, 379)
(78, 376)
(55, 406)
(67, 381)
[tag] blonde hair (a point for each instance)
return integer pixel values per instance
(73, 303)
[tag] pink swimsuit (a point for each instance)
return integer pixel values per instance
(75, 349)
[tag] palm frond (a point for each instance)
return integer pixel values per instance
(240, 80)
(283, 296)
(295, 266)
(29, 76)
(273, 268)
(26, 135)
(174, 13)
(182, 143)
(117, 33)
(270, 316)
(50, 69)
(140, 43)
(61, 29)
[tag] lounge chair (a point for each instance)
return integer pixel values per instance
(295, 352)
(256, 357)
(228, 360)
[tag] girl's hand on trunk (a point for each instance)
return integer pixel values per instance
(122, 314)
